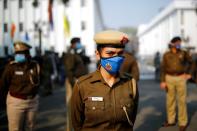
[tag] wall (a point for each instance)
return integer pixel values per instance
(178, 19)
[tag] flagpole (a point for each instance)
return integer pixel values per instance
(48, 28)
(3, 31)
(25, 14)
(19, 14)
(35, 5)
(9, 25)
(64, 30)
(55, 34)
(34, 15)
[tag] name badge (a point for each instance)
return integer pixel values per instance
(19, 73)
(97, 98)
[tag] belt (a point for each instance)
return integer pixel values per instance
(24, 97)
(175, 74)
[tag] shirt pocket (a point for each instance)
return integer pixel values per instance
(128, 104)
(18, 79)
(94, 111)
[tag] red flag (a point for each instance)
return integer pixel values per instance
(50, 13)
(13, 29)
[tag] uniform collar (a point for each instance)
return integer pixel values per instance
(97, 77)
(178, 51)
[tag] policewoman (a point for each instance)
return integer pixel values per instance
(105, 100)
(21, 77)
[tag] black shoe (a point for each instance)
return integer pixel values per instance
(182, 128)
(166, 124)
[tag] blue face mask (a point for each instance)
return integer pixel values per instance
(78, 45)
(178, 46)
(20, 58)
(112, 64)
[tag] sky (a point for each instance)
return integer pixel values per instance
(123, 13)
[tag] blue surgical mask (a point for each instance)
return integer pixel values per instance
(112, 64)
(78, 45)
(20, 58)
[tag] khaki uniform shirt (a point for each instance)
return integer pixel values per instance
(74, 66)
(95, 106)
(21, 78)
(176, 64)
(130, 66)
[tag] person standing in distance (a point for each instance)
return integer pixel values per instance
(130, 65)
(74, 68)
(175, 71)
(21, 78)
(105, 99)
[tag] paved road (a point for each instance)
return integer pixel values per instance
(52, 112)
(151, 113)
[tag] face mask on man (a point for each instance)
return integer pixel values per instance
(78, 45)
(20, 58)
(112, 64)
(178, 46)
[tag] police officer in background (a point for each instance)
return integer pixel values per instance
(21, 78)
(74, 65)
(105, 99)
(130, 65)
(157, 64)
(74, 68)
(175, 71)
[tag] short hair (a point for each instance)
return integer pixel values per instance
(175, 39)
(74, 40)
(26, 52)
(100, 46)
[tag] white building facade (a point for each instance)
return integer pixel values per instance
(177, 19)
(84, 18)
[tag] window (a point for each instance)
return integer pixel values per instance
(5, 27)
(20, 4)
(65, 2)
(5, 4)
(83, 3)
(83, 25)
(182, 33)
(182, 17)
(21, 27)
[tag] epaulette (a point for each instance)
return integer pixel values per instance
(129, 77)
(184, 49)
(84, 78)
(129, 53)
(33, 61)
(125, 75)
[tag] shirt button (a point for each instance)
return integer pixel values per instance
(129, 105)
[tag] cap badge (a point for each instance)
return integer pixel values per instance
(17, 46)
(108, 66)
(124, 40)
